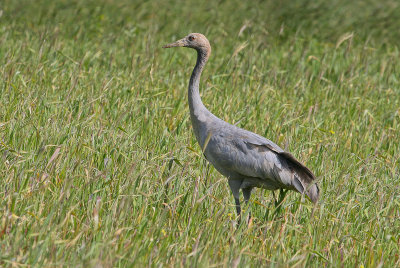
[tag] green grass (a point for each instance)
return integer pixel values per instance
(99, 165)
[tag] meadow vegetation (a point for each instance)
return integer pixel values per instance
(98, 163)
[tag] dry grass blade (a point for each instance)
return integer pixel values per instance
(240, 48)
(343, 38)
(54, 156)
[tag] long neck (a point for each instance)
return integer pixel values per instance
(195, 104)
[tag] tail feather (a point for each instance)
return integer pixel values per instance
(311, 189)
(304, 179)
(313, 193)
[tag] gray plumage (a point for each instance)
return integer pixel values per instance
(245, 158)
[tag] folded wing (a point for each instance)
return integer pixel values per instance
(252, 155)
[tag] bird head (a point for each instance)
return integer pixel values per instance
(193, 40)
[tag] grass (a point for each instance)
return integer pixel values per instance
(99, 165)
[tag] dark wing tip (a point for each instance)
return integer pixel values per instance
(298, 166)
(305, 176)
(313, 193)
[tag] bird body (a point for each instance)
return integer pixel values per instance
(248, 160)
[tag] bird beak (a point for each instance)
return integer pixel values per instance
(179, 43)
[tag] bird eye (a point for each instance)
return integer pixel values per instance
(191, 38)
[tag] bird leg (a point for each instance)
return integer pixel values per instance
(246, 195)
(235, 187)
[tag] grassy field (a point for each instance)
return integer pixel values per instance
(98, 163)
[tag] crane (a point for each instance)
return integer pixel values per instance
(247, 160)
